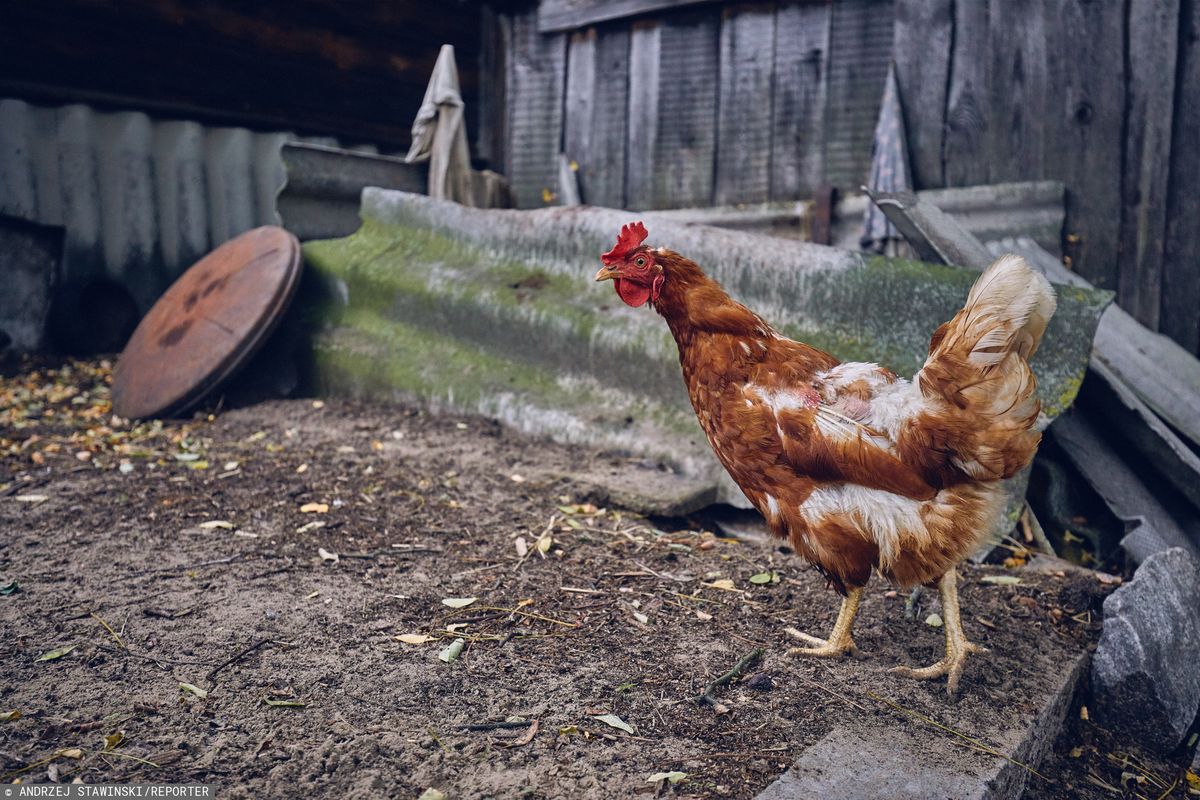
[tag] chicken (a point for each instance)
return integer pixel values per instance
(858, 469)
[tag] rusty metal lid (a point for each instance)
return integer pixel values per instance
(208, 324)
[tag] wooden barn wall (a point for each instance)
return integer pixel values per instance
(696, 104)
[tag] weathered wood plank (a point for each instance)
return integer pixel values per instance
(565, 15)
(747, 62)
(860, 36)
(1181, 256)
(644, 56)
(684, 148)
(1153, 35)
(604, 176)
(535, 89)
(580, 99)
(1017, 96)
(493, 109)
(924, 33)
(964, 151)
(1084, 111)
(801, 83)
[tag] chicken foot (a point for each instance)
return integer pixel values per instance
(839, 642)
(957, 646)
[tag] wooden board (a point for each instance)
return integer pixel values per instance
(1017, 98)
(1084, 112)
(924, 33)
(964, 151)
(1181, 275)
(534, 89)
(566, 15)
(798, 112)
(493, 105)
(644, 54)
(747, 62)
(860, 36)
(684, 149)
(595, 131)
(1153, 34)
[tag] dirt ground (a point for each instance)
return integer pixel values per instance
(232, 589)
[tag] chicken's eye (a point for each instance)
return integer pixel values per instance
(640, 261)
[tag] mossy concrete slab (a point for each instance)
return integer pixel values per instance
(495, 312)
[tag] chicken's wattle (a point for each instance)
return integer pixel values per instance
(634, 294)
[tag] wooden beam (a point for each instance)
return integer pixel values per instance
(1017, 97)
(924, 33)
(1153, 38)
(1084, 114)
(1181, 257)
(535, 87)
(645, 44)
(568, 15)
(967, 112)
(801, 89)
(747, 64)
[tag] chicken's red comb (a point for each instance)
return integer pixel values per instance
(631, 236)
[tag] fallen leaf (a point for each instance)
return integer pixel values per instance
(55, 654)
(933, 621)
(724, 584)
(544, 543)
(271, 701)
(196, 690)
(1001, 580)
(700, 615)
(216, 523)
(670, 777)
(414, 638)
(113, 741)
(31, 498)
(311, 595)
(522, 547)
(310, 526)
(326, 555)
(73, 752)
(10, 716)
(526, 737)
(458, 602)
(431, 793)
(759, 579)
(453, 651)
(516, 478)
(12, 587)
(314, 508)
(613, 721)
(640, 617)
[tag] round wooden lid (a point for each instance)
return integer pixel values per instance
(208, 324)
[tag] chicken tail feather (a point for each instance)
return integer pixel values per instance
(978, 366)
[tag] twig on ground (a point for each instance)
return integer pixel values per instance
(744, 663)
(111, 632)
(495, 726)
(212, 673)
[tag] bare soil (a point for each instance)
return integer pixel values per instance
(203, 562)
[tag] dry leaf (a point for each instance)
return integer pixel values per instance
(314, 508)
(1001, 580)
(458, 602)
(326, 555)
(933, 621)
(613, 721)
(544, 543)
(669, 777)
(113, 741)
(55, 654)
(311, 526)
(216, 523)
(522, 547)
(10, 716)
(414, 638)
(453, 651)
(725, 584)
(31, 498)
(196, 690)
(73, 752)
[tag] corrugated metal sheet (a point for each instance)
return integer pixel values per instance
(140, 199)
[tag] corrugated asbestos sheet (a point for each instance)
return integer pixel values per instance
(140, 199)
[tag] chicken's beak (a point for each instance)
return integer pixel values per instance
(608, 273)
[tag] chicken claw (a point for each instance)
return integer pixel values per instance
(839, 642)
(957, 646)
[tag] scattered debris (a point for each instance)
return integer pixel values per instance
(453, 651)
(613, 721)
(748, 661)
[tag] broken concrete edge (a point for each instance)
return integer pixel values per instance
(493, 312)
(827, 769)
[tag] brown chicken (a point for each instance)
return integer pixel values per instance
(859, 469)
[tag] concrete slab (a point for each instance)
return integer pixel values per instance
(861, 760)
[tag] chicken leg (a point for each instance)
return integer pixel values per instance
(839, 642)
(957, 646)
